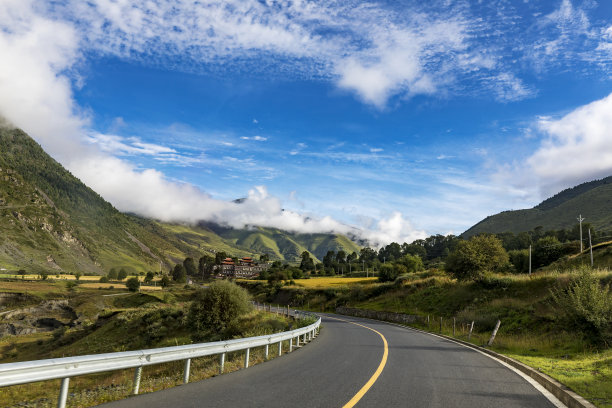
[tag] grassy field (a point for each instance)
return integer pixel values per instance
(331, 282)
(119, 323)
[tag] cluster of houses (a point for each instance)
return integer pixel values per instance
(244, 268)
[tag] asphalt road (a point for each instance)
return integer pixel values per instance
(420, 371)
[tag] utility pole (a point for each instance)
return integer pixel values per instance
(530, 260)
(580, 219)
(591, 246)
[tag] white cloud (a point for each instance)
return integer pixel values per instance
(370, 49)
(573, 149)
(118, 145)
(36, 95)
(256, 138)
(376, 150)
(33, 93)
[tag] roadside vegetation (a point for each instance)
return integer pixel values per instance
(88, 321)
(557, 320)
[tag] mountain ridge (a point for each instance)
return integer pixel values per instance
(51, 221)
(592, 200)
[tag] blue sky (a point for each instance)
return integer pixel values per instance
(389, 120)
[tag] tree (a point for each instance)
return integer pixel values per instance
(112, 274)
(164, 281)
(341, 256)
(329, 258)
(472, 259)
(77, 276)
(179, 274)
(388, 273)
(218, 306)
(149, 277)
(133, 284)
(307, 263)
(413, 263)
(367, 255)
(190, 267)
(519, 258)
(205, 266)
(414, 249)
(390, 253)
(22, 272)
(122, 274)
(104, 279)
(219, 257)
(264, 258)
(44, 275)
(546, 250)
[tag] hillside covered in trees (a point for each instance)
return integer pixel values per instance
(592, 200)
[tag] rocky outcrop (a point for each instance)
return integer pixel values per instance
(46, 316)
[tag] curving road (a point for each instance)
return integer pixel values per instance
(420, 371)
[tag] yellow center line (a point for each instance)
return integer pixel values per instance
(376, 374)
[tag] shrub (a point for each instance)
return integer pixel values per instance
(122, 274)
(103, 279)
(413, 263)
(586, 305)
(472, 259)
(133, 284)
(388, 273)
(217, 307)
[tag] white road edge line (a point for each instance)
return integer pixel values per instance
(553, 400)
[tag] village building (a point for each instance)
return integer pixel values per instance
(245, 268)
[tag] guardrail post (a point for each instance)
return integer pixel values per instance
(297, 341)
(290, 345)
(186, 371)
(63, 395)
(280, 347)
(221, 363)
(137, 375)
(267, 351)
(246, 358)
(304, 340)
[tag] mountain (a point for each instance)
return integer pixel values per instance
(592, 200)
(281, 244)
(50, 220)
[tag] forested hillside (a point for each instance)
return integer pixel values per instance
(592, 200)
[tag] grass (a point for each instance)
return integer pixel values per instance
(119, 323)
(531, 330)
(324, 282)
(331, 282)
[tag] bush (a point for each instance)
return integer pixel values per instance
(388, 273)
(133, 284)
(586, 305)
(122, 274)
(217, 307)
(472, 259)
(413, 263)
(103, 279)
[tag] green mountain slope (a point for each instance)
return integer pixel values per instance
(593, 200)
(50, 220)
(285, 245)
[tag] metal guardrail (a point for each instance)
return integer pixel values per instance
(67, 367)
